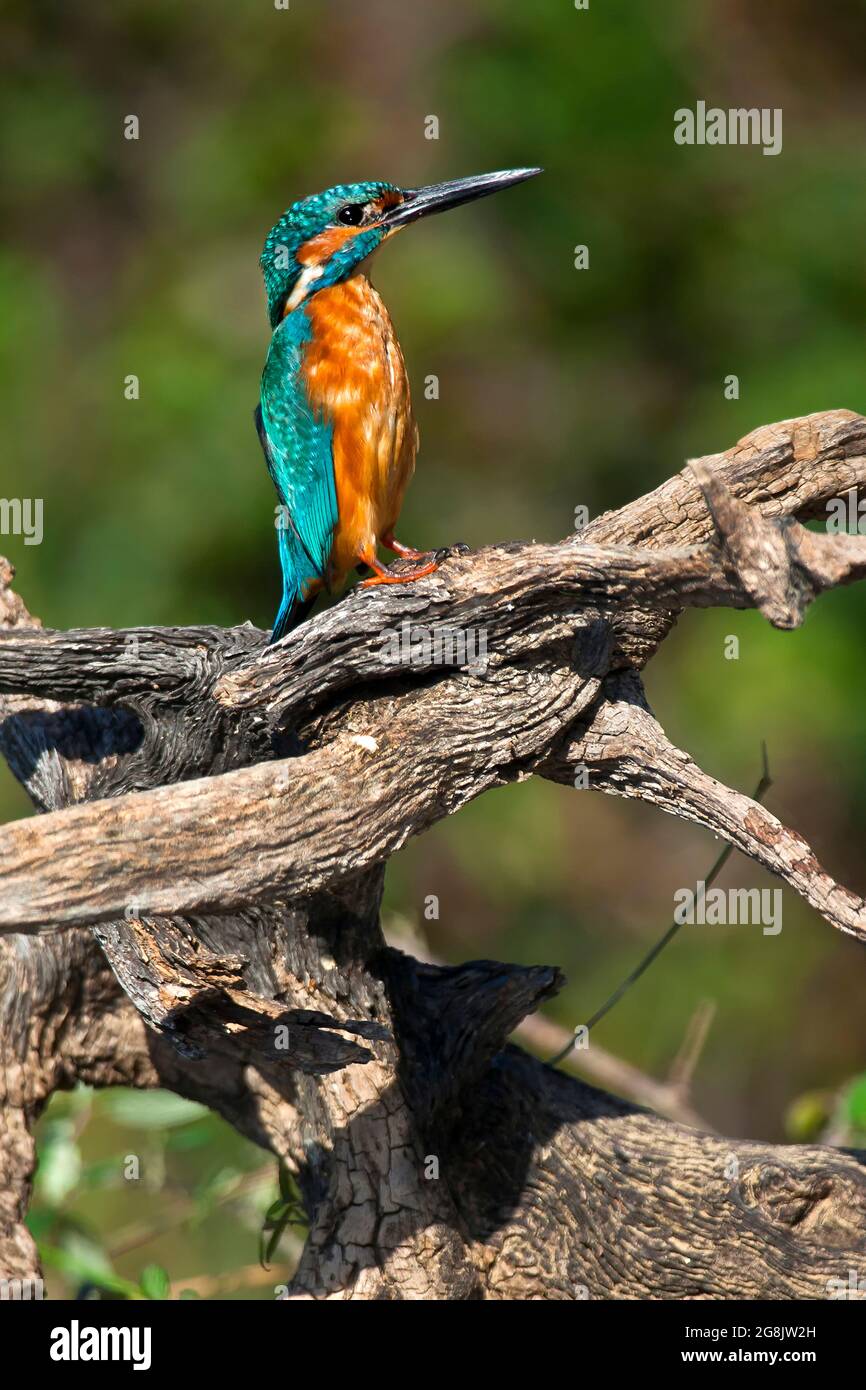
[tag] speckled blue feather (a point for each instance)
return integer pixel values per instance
(298, 449)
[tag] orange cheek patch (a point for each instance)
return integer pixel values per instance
(320, 248)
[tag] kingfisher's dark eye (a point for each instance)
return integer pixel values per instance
(352, 215)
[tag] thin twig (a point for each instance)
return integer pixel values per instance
(685, 1063)
(760, 791)
(611, 1073)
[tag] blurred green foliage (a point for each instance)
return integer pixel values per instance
(558, 388)
(146, 1195)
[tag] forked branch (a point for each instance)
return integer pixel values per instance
(223, 812)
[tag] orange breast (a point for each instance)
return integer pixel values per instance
(356, 376)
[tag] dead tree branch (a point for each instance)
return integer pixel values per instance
(221, 815)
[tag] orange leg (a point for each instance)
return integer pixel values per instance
(406, 552)
(383, 576)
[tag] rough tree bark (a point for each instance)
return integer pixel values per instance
(197, 906)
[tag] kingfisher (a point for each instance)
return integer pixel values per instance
(335, 415)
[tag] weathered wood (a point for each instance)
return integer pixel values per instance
(366, 791)
(545, 1188)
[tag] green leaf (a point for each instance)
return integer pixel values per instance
(284, 1212)
(807, 1116)
(40, 1220)
(106, 1172)
(154, 1282)
(151, 1109)
(288, 1187)
(59, 1164)
(193, 1136)
(84, 1263)
(213, 1187)
(275, 1212)
(268, 1247)
(856, 1103)
(85, 1255)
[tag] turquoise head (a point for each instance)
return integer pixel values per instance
(324, 239)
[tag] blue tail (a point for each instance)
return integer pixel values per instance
(292, 612)
(299, 577)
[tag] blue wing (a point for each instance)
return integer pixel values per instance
(297, 445)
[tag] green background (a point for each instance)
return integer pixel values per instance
(558, 388)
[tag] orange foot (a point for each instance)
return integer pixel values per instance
(383, 576)
(406, 552)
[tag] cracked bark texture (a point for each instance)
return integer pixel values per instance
(216, 820)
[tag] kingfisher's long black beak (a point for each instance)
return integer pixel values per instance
(438, 197)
